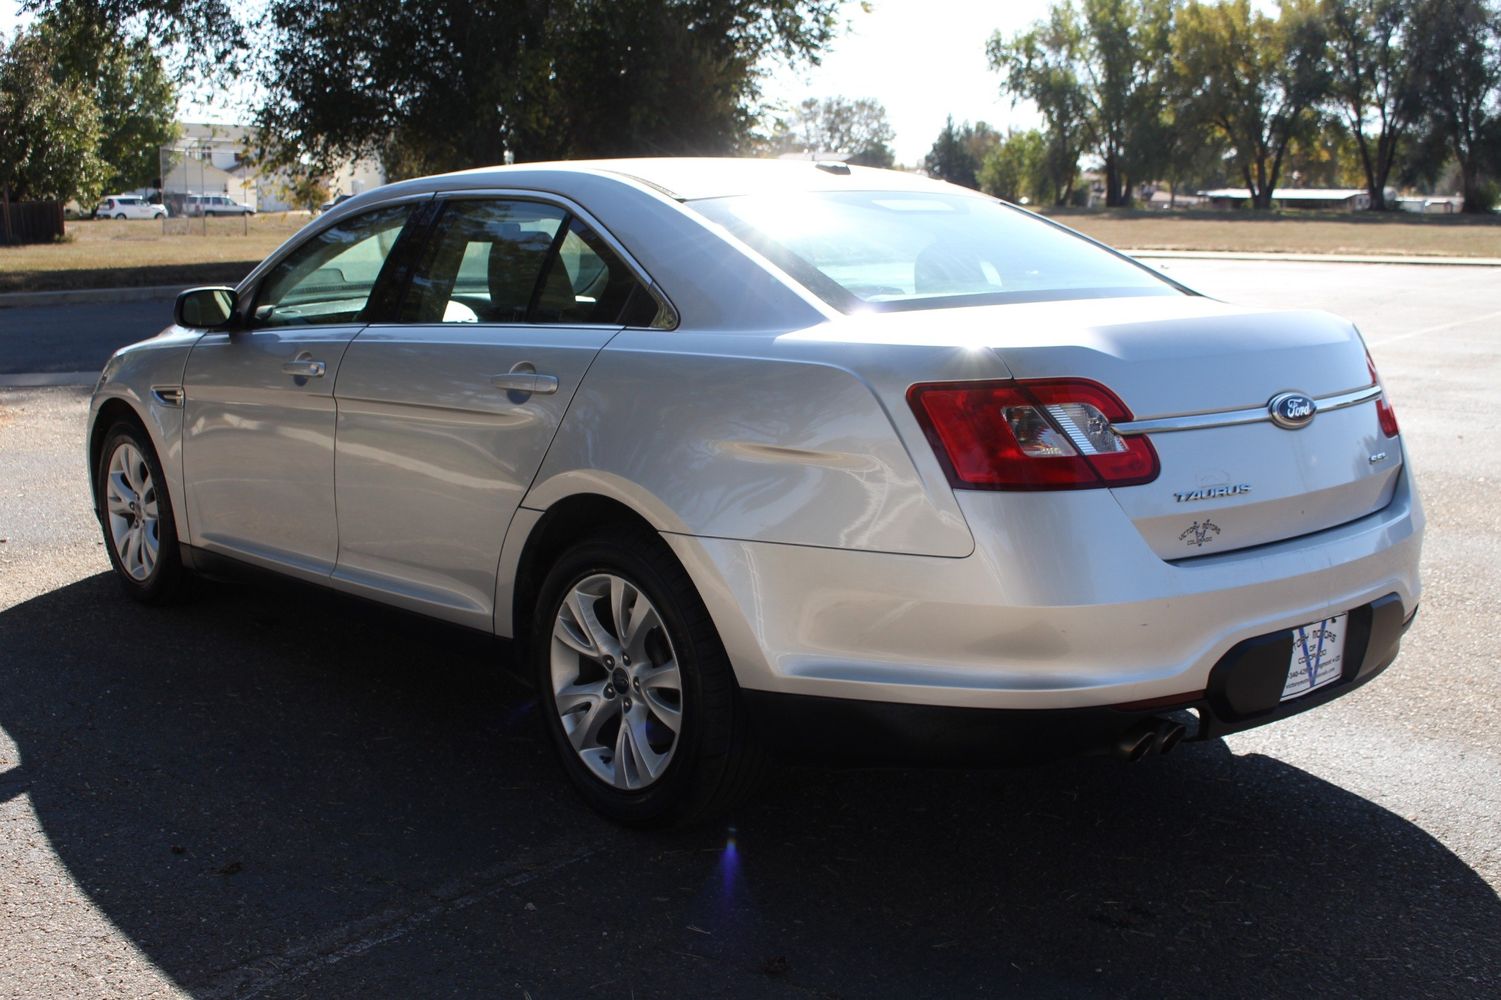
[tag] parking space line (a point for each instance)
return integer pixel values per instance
(1437, 328)
(272, 974)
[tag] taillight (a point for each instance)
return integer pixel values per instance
(1385, 415)
(1039, 434)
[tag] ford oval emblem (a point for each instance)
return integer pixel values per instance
(1291, 410)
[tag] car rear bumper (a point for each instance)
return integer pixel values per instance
(1244, 692)
(1071, 613)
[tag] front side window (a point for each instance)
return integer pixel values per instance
(889, 250)
(492, 261)
(329, 278)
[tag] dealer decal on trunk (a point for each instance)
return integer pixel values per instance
(1200, 533)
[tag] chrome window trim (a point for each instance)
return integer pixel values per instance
(664, 304)
(1232, 418)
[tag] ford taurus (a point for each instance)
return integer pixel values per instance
(754, 456)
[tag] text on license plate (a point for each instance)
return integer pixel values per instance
(1318, 656)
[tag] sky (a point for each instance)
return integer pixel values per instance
(922, 59)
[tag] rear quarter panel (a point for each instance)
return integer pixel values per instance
(764, 438)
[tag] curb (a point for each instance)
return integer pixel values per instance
(1313, 258)
(142, 293)
(41, 380)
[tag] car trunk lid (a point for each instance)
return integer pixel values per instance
(1230, 477)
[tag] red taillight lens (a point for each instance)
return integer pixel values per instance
(1385, 415)
(1041, 434)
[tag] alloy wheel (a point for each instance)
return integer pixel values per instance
(617, 687)
(131, 508)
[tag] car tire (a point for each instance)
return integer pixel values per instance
(120, 217)
(644, 774)
(135, 514)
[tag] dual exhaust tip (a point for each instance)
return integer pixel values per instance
(1151, 736)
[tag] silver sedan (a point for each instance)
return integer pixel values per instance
(754, 456)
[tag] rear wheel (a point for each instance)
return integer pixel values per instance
(120, 216)
(135, 513)
(637, 692)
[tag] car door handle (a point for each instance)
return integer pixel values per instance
(530, 382)
(304, 368)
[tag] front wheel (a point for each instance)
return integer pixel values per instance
(135, 513)
(637, 692)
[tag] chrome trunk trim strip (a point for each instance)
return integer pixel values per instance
(1230, 418)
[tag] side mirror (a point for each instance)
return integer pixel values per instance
(206, 308)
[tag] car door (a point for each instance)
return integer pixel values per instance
(258, 444)
(444, 418)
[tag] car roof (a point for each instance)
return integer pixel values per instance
(692, 178)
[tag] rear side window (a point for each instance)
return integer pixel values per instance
(889, 250)
(329, 278)
(494, 261)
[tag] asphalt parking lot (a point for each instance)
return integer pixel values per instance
(276, 793)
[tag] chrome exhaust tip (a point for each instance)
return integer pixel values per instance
(1168, 735)
(1137, 742)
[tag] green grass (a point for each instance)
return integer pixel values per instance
(105, 253)
(1386, 233)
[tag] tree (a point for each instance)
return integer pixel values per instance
(1128, 48)
(838, 125)
(979, 140)
(1375, 83)
(1109, 61)
(129, 84)
(430, 85)
(137, 113)
(1016, 168)
(1255, 79)
(1327, 156)
(1460, 63)
(1039, 65)
(209, 38)
(308, 191)
(952, 157)
(49, 131)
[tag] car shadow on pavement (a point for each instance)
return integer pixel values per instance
(276, 792)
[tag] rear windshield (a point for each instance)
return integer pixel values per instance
(889, 250)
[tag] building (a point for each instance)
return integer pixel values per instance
(216, 159)
(1317, 199)
(1432, 204)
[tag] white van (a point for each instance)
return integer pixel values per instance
(128, 206)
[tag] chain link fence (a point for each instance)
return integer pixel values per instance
(203, 197)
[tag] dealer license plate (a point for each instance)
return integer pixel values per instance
(1318, 656)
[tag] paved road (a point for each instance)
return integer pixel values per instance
(279, 794)
(75, 338)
